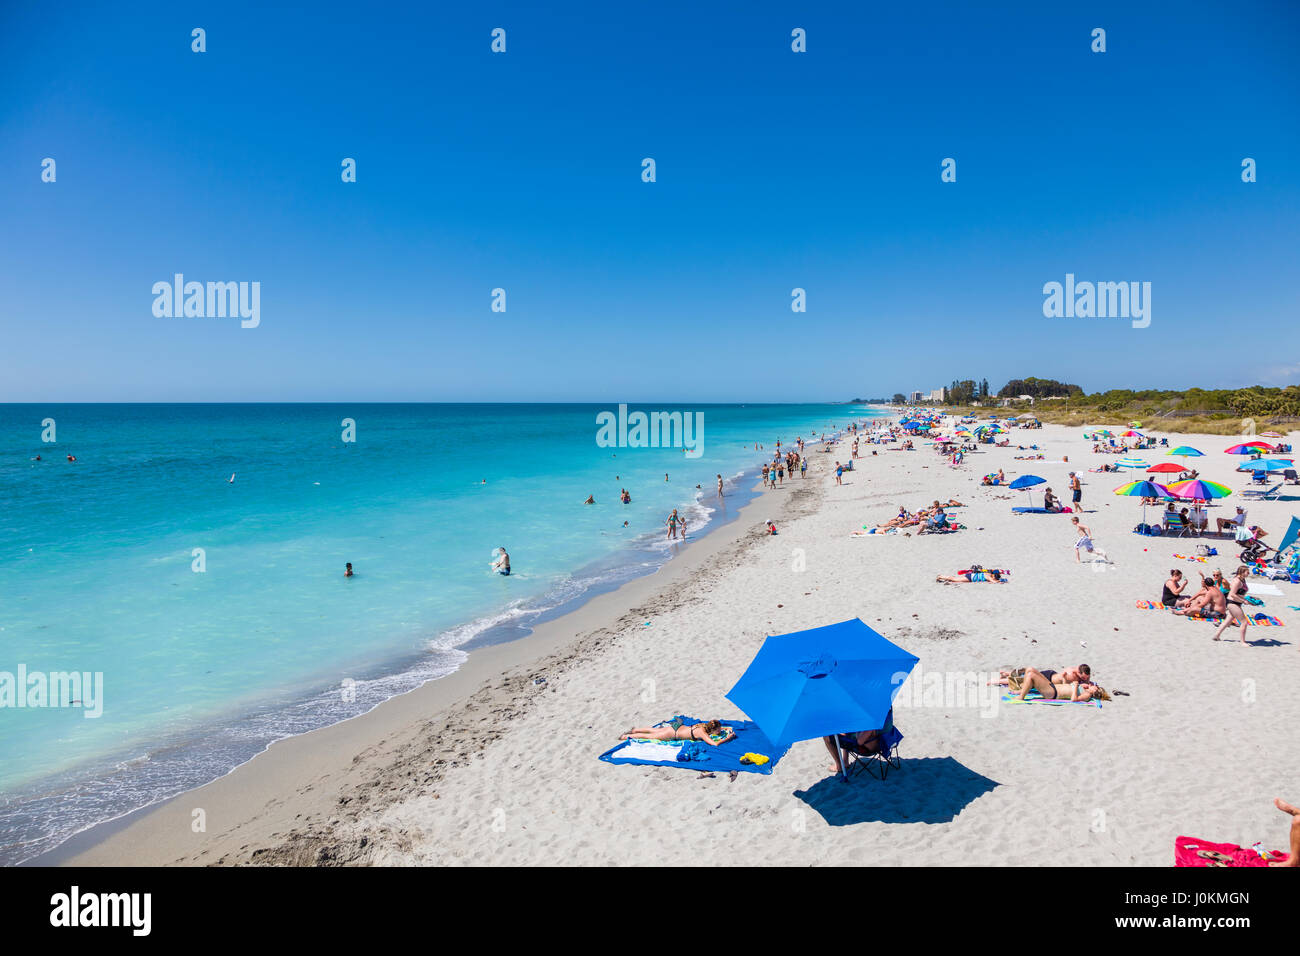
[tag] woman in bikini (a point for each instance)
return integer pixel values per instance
(1237, 589)
(703, 732)
(1072, 683)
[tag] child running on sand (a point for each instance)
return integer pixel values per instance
(1084, 541)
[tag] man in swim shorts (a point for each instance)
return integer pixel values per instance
(1084, 541)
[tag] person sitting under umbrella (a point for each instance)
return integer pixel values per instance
(864, 743)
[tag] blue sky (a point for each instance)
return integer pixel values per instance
(522, 170)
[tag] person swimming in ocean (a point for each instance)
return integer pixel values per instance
(591, 500)
(347, 571)
(502, 564)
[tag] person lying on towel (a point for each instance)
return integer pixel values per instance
(1071, 683)
(704, 732)
(975, 574)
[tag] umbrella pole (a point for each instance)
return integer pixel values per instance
(844, 763)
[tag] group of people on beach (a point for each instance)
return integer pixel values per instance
(775, 472)
(932, 518)
(1218, 596)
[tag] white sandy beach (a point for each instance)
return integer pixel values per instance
(487, 767)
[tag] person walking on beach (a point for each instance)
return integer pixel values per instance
(1237, 589)
(719, 486)
(803, 468)
(839, 473)
(673, 521)
(1077, 492)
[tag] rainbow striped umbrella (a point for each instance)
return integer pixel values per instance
(1131, 434)
(1144, 489)
(1186, 451)
(1199, 488)
(1249, 448)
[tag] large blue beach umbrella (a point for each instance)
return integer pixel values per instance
(1267, 464)
(828, 680)
(1027, 482)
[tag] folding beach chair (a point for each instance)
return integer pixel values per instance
(1177, 525)
(1257, 494)
(1290, 477)
(878, 764)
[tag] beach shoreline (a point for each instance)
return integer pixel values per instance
(154, 835)
(487, 767)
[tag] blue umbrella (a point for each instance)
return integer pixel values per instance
(1292, 535)
(1267, 464)
(821, 682)
(1027, 481)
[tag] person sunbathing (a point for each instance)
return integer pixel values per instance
(973, 575)
(938, 521)
(1208, 600)
(676, 730)
(1055, 685)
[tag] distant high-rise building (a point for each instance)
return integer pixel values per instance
(916, 397)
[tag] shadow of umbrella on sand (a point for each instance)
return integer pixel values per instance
(928, 790)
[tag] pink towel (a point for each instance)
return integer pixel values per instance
(1189, 851)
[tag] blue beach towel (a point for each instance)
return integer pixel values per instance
(1033, 697)
(697, 755)
(1031, 511)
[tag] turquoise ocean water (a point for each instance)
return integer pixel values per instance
(203, 669)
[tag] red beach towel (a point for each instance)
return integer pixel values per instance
(1189, 851)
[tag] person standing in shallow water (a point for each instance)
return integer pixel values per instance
(673, 521)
